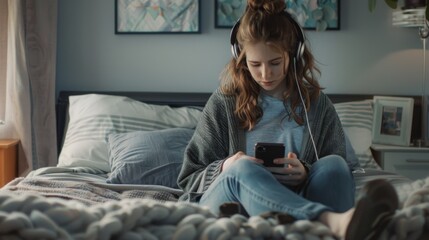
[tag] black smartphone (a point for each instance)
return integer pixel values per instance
(268, 152)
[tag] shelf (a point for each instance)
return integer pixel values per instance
(409, 17)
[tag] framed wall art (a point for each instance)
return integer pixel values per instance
(393, 117)
(157, 16)
(313, 15)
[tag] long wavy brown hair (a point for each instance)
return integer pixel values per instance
(265, 21)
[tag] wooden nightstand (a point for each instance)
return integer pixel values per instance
(412, 162)
(8, 160)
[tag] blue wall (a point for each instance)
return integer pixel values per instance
(368, 54)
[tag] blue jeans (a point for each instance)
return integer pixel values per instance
(330, 187)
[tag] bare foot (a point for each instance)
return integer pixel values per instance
(337, 222)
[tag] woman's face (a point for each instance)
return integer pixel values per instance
(268, 68)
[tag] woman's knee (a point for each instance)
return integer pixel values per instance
(334, 162)
(332, 165)
(242, 166)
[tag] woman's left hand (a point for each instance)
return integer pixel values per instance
(293, 173)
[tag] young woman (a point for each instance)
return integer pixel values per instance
(269, 93)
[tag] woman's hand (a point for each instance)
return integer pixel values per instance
(293, 173)
(239, 155)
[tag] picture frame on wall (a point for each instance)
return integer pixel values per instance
(393, 117)
(312, 15)
(157, 16)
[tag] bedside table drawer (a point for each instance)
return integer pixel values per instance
(411, 164)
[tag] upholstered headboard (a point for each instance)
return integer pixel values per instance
(178, 99)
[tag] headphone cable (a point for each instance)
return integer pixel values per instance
(305, 110)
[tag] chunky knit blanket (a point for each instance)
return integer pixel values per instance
(28, 215)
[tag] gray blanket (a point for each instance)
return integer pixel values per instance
(85, 192)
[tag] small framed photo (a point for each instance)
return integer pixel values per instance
(393, 117)
(154, 16)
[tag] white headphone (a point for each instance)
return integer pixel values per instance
(300, 45)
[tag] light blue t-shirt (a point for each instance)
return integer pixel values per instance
(275, 126)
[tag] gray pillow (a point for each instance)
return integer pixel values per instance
(147, 157)
(357, 120)
(351, 158)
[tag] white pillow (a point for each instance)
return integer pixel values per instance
(356, 118)
(92, 117)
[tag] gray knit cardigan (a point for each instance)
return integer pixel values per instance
(218, 136)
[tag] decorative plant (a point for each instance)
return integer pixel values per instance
(408, 3)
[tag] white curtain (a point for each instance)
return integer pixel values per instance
(3, 51)
(30, 82)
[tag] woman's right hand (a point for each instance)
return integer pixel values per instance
(239, 155)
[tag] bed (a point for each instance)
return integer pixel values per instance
(119, 156)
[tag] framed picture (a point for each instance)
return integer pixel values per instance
(393, 117)
(157, 16)
(314, 15)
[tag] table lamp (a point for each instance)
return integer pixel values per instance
(415, 17)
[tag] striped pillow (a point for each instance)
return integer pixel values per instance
(356, 118)
(92, 117)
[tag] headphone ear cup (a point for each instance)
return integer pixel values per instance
(235, 49)
(300, 45)
(300, 50)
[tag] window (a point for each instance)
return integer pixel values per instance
(3, 58)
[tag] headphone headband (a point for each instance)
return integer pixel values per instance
(235, 48)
